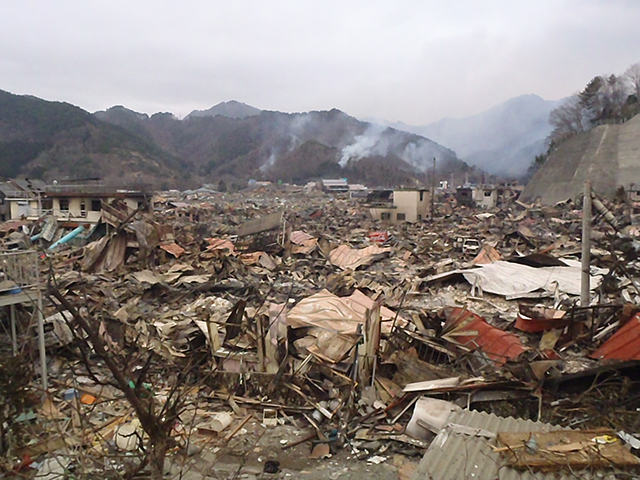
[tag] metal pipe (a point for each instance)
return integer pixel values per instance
(67, 237)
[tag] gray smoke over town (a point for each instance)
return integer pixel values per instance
(381, 140)
(296, 130)
(369, 143)
(420, 154)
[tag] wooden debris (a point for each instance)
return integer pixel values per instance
(566, 449)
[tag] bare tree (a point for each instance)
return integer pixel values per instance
(567, 120)
(157, 422)
(632, 75)
(613, 97)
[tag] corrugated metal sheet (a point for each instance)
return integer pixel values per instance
(520, 281)
(338, 314)
(624, 344)
(302, 242)
(173, 248)
(299, 237)
(456, 456)
(351, 258)
(468, 329)
(13, 225)
(221, 244)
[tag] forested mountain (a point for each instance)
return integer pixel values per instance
(293, 147)
(53, 140)
(605, 99)
(233, 141)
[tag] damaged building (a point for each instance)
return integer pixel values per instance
(403, 205)
(284, 334)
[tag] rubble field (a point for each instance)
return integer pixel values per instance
(284, 334)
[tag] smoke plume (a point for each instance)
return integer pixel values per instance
(371, 142)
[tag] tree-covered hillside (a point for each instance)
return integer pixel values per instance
(55, 140)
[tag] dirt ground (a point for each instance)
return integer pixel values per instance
(246, 455)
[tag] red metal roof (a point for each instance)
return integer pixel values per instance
(538, 319)
(468, 329)
(624, 344)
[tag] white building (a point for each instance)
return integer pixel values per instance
(409, 205)
(485, 196)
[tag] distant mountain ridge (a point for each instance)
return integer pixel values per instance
(503, 140)
(294, 147)
(231, 109)
(53, 140)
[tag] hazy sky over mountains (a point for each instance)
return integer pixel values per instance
(410, 60)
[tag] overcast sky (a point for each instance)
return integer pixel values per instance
(415, 61)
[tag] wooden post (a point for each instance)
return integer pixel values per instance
(14, 333)
(41, 343)
(214, 339)
(272, 337)
(372, 329)
(433, 186)
(261, 341)
(585, 287)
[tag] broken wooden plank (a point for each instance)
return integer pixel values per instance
(231, 434)
(566, 449)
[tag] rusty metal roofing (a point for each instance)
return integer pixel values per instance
(299, 237)
(454, 455)
(473, 332)
(624, 344)
(352, 258)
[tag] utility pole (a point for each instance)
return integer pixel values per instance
(585, 287)
(433, 185)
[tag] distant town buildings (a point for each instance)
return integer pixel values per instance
(338, 185)
(335, 184)
(486, 196)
